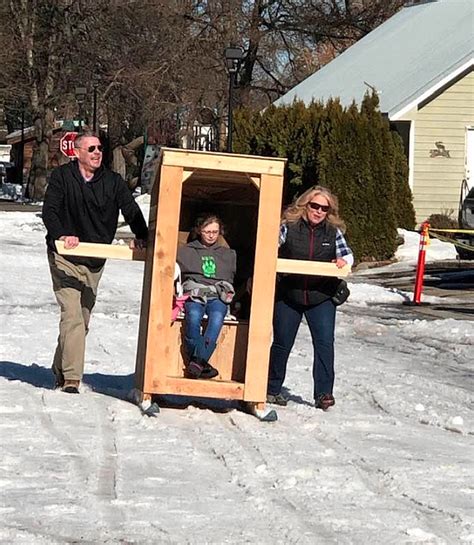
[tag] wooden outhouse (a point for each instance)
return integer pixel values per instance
(246, 192)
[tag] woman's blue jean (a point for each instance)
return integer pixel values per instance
(321, 321)
(201, 346)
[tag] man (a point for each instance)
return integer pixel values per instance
(82, 204)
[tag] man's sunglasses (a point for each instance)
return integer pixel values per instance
(317, 206)
(91, 149)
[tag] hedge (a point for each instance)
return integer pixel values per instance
(350, 150)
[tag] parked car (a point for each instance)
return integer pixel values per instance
(466, 221)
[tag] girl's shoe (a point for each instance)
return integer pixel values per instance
(208, 371)
(194, 369)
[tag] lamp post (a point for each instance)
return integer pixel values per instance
(233, 57)
(94, 109)
(80, 93)
(21, 162)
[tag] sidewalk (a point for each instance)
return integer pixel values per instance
(16, 206)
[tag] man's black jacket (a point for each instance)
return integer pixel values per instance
(88, 210)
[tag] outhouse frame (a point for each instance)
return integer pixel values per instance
(156, 371)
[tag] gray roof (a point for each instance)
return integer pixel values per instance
(405, 59)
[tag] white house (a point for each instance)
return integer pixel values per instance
(420, 62)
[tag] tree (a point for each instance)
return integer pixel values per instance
(47, 35)
(154, 62)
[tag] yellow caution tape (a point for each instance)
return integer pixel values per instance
(468, 231)
(455, 242)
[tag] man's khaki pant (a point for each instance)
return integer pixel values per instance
(75, 288)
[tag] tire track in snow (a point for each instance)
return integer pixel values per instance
(380, 480)
(248, 468)
(96, 466)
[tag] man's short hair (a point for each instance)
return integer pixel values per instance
(86, 134)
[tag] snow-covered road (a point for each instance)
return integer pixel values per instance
(391, 463)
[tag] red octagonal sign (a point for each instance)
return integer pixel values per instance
(66, 144)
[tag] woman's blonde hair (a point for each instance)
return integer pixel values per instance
(297, 209)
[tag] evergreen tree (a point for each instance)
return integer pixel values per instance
(353, 152)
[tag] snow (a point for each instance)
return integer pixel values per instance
(391, 463)
(436, 251)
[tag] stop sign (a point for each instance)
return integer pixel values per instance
(66, 144)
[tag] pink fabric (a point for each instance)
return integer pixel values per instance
(178, 305)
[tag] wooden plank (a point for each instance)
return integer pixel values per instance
(102, 251)
(230, 354)
(200, 388)
(187, 173)
(318, 268)
(255, 180)
(263, 288)
(160, 351)
(230, 162)
(146, 290)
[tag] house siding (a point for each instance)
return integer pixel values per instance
(437, 179)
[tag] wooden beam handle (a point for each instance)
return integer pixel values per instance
(317, 268)
(102, 251)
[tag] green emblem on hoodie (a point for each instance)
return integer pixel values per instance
(208, 266)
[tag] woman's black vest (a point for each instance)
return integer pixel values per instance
(306, 242)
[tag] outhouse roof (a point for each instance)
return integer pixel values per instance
(406, 59)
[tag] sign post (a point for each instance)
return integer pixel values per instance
(66, 144)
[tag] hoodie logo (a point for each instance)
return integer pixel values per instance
(208, 266)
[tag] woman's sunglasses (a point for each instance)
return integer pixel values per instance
(91, 149)
(317, 206)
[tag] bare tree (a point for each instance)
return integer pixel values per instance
(47, 35)
(154, 61)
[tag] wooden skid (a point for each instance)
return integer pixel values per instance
(102, 251)
(318, 268)
(201, 388)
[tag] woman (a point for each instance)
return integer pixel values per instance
(207, 270)
(311, 229)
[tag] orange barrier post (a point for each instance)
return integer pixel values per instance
(420, 268)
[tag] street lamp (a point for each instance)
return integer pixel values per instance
(233, 57)
(94, 109)
(81, 94)
(21, 159)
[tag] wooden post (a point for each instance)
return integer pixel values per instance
(158, 338)
(263, 288)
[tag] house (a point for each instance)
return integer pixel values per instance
(23, 144)
(420, 62)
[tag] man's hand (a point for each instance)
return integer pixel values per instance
(70, 241)
(137, 244)
(340, 263)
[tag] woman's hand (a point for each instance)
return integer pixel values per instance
(340, 263)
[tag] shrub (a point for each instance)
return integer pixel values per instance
(352, 151)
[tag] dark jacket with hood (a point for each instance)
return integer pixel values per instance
(311, 243)
(207, 264)
(88, 210)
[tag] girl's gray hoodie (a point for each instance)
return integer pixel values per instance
(207, 264)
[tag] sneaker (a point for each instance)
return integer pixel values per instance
(194, 369)
(324, 401)
(71, 386)
(208, 371)
(278, 399)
